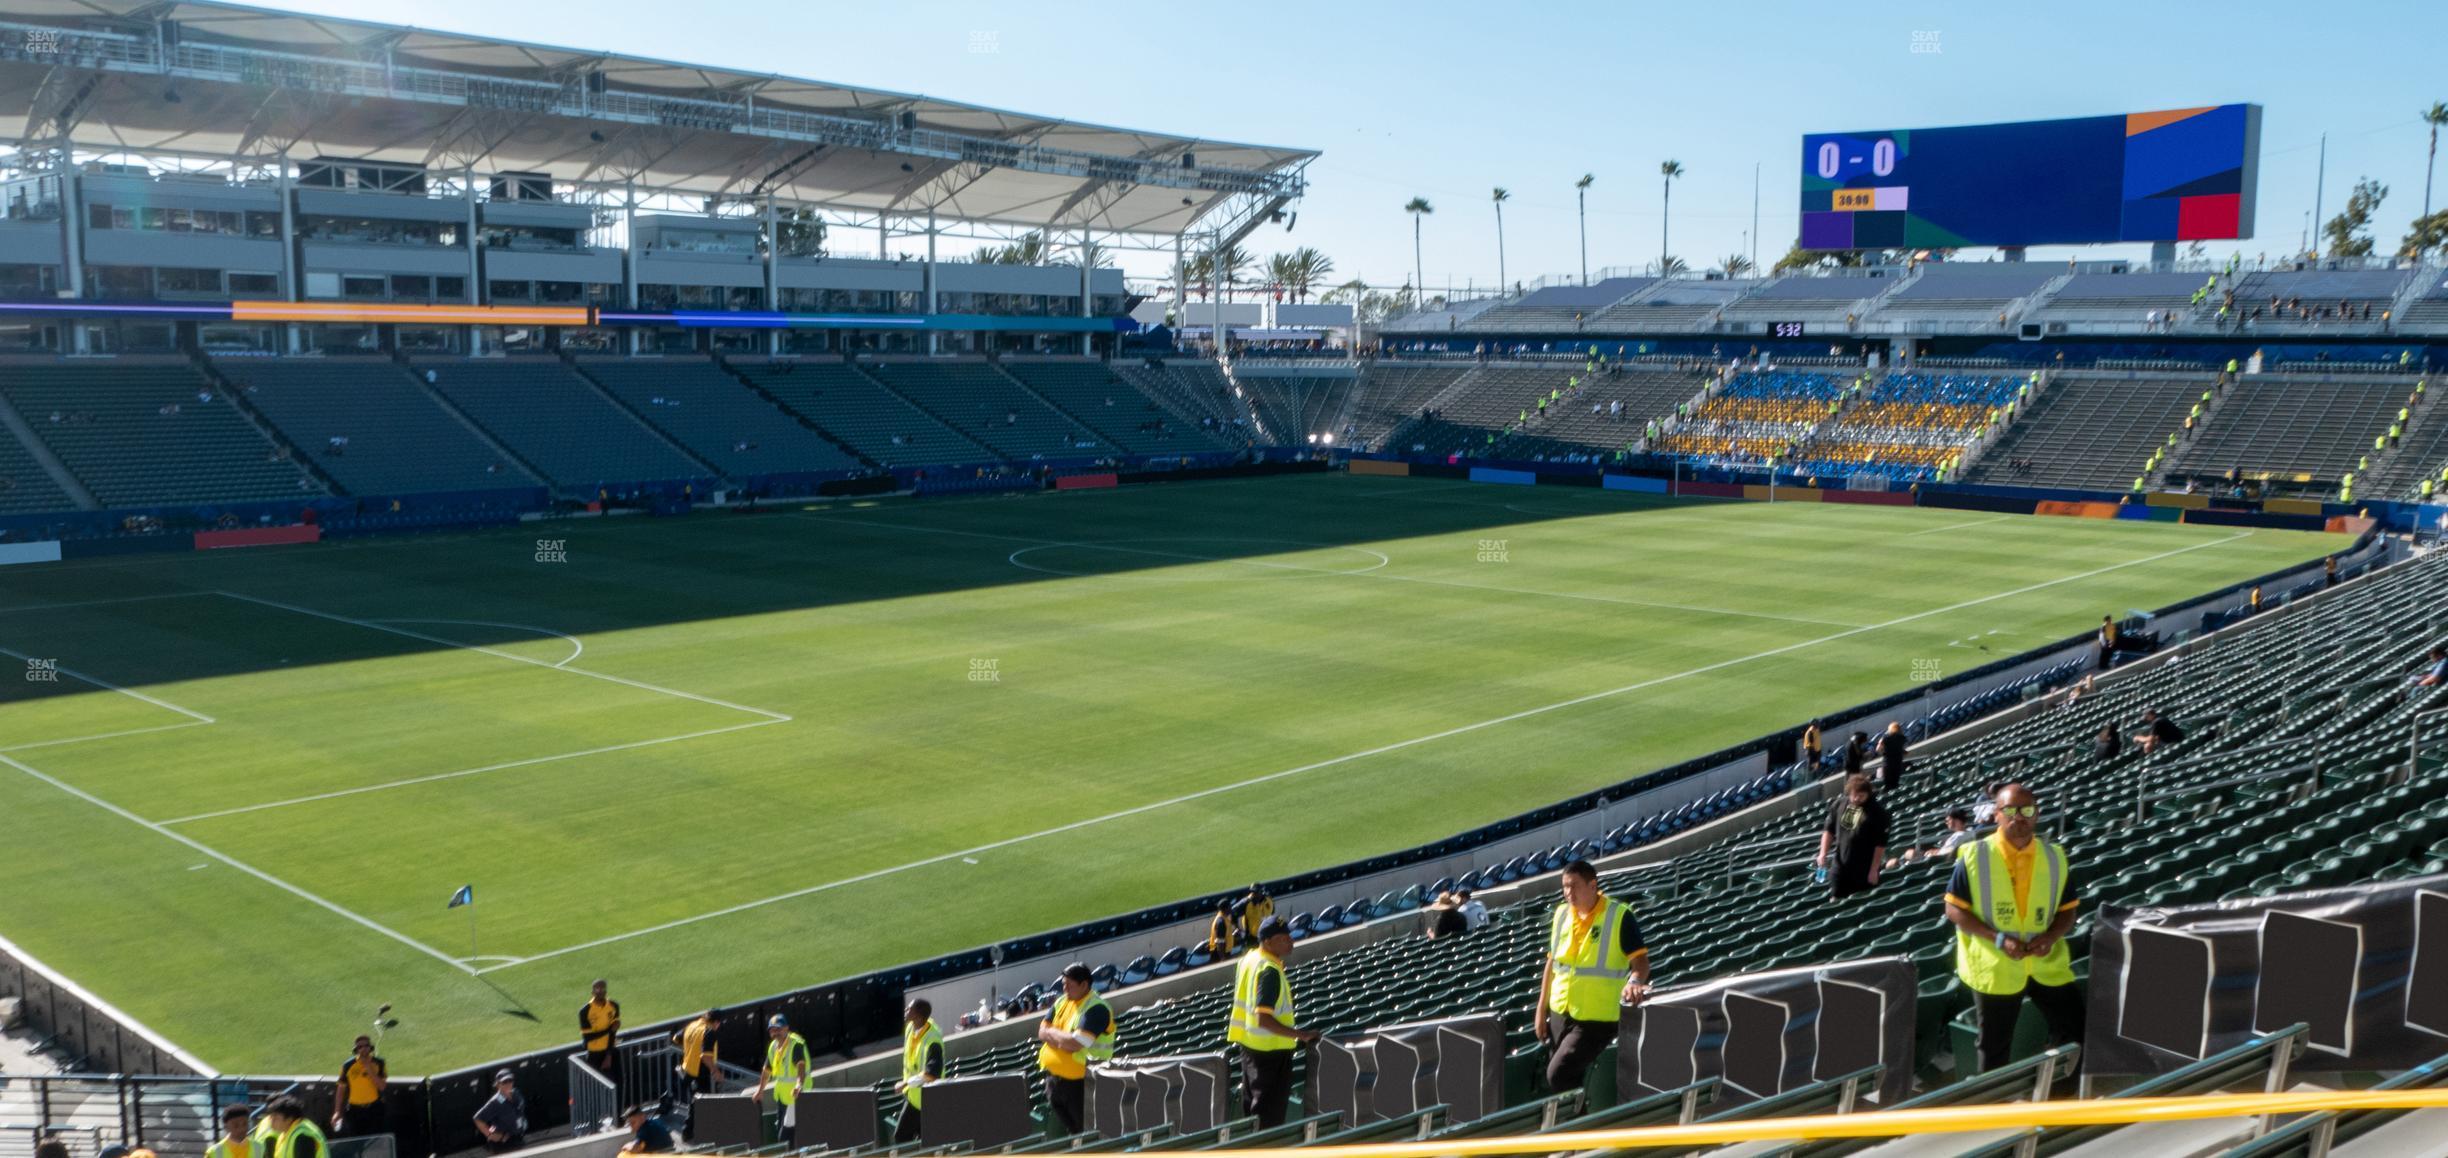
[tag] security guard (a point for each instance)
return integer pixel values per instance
(293, 1134)
(1077, 1033)
(599, 1022)
(1255, 909)
(1596, 965)
(922, 1061)
(786, 1066)
(357, 1109)
(1264, 1025)
(233, 1142)
(2011, 900)
(698, 1067)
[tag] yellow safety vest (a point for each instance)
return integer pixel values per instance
(787, 1061)
(286, 1146)
(1067, 1017)
(1982, 966)
(1245, 1027)
(224, 1148)
(914, 1047)
(1586, 983)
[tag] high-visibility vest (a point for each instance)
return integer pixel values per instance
(1586, 979)
(1068, 1016)
(223, 1148)
(1981, 965)
(787, 1061)
(286, 1146)
(1244, 1027)
(914, 1047)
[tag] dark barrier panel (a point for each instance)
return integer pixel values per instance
(984, 1112)
(880, 484)
(2257, 519)
(131, 545)
(1767, 1033)
(1869, 498)
(1239, 470)
(835, 1119)
(1439, 470)
(1969, 502)
(1086, 482)
(2363, 967)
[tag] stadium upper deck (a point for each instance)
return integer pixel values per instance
(482, 193)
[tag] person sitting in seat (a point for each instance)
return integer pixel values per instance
(2157, 731)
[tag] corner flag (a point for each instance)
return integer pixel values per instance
(465, 896)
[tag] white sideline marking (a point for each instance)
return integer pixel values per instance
(577, 647)
(966, 853)
(776, 717)
(465, 772)
(106, 685)
(1955, 526)
(1371, 572)
(102, 602)
(104, 736)
(240, 865)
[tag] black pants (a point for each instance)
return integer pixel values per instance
(362, 1121)
(2061, 1005)
(1068, 1098)
(600, 1060)
(1572, 1047)
(908, 1130)
(1266, 1084)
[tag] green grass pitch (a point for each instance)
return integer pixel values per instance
(719, 757)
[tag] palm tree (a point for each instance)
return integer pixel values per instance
(1670, 266)
(1301, 271)
(1669, 170)
(2435, 116)
(1581, 202)
(1500, 196)
(1417, 207)
(1734, 265)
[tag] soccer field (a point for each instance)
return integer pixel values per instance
(718, 757)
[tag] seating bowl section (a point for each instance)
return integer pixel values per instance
(142, 433)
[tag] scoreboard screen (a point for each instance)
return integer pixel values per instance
(2176, 175)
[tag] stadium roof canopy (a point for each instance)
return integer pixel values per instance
(224, 81)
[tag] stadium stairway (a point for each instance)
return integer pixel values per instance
(719, 419)
(401, 441)
(557, 422)
(1090, 391)
(32, 479)
(2089, 430)
(989, 406)
(1196, 392)
(2300, 432)
(858, 412)
(2294, 776)
(148, 431)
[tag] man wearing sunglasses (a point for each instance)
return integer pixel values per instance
(2011, 900)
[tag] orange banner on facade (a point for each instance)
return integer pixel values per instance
(2076, 510)
(409, 313)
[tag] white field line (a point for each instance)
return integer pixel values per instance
(464, 772)
(776, 717)
(577, 646)
(105, 736)
(1373, 572)
(1955, 526)
(106, 685)
(240, 865)
(101, 602)
(1398, 745)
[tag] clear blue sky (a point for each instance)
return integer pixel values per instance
(1448, 99)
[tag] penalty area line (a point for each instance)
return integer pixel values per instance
(1526, 713)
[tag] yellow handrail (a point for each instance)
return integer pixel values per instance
(1895, 1123)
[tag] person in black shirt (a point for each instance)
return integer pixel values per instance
(2107, 745)
(1856, 753)
(646, 1135)
(503, 1119)
(2157, 731)
(1891, 757)
(1856, 832)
